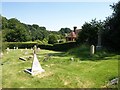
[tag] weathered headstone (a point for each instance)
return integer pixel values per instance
(72, 59)
(14, 48)
(7, 50)
(38, 49)
(36, 67)
(31, 48)
(26, 51)
(1, 55)
(92, 49)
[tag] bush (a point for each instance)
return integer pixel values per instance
(59, 46)
(52, 39)
(21, 45)
(56, 47)
(64, 46)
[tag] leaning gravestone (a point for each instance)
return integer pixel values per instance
(36, 67)
(92, 49)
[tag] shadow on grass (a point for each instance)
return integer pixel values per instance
(83, 52)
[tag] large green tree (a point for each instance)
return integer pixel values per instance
(111, 34)
(89, 33)
(64, 31)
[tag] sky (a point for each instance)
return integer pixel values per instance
(56, 15)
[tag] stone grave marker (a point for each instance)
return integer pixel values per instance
(31, 48)
(14, 48)
(1, 54)
(26, 52)
(38, 49)
(36, 68)
(7, 50)
(92, 49)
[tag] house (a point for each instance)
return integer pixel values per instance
(73, 35)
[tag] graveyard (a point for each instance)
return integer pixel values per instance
(76, 68)
(71, 47)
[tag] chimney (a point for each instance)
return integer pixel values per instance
(74, 28)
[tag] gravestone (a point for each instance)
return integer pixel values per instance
(92, 49)
(7, 50)
(38, 49)
(14, 48)
(26, 52)
(1, 55)
(31, 48)
(36, 68)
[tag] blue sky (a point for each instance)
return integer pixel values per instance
(56, 15)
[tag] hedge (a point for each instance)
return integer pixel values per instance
(21, 45)
(55, 47)
(59, 46)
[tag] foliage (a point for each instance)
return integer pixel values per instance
(111, 39)
(15, 31)
(21, 45)
(52, 39)
(89, 33)
(64, 31)
(64, 46)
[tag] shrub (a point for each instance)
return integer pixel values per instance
(64, 46)
(52, 39)
(20, 44)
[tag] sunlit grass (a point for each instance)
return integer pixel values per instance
(60, 70)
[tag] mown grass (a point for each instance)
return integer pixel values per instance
(85, 71)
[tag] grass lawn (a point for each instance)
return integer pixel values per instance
(84, 71)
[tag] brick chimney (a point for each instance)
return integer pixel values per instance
(74, 28)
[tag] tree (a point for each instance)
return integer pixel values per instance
(63, 31)
(15, 31)
(111, 34)
(4, 23)
(89, 33)
(52, 39)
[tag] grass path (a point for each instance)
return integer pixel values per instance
(60, 71)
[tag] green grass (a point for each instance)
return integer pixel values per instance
(85, 71)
